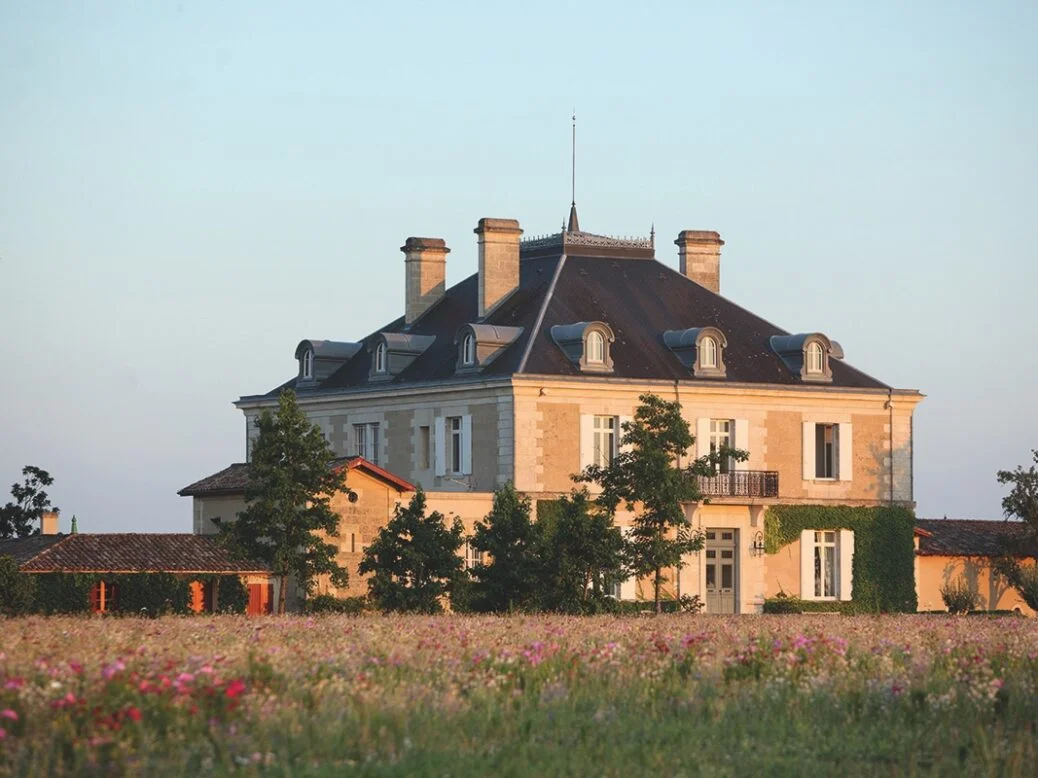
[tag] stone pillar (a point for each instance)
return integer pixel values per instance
(425, 264)
(498, 261)
(699, 257)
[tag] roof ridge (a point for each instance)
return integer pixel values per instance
(540, 314)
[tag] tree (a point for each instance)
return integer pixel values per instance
(508, 536)
(580, 554)
(414, 559)
(1021, 502)
(291, 480)
(21, 517)
(647, 477)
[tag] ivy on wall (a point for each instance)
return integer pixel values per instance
(884, 553)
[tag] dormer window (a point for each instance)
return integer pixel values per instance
(708, 357)
(380, 358)
(594, 348)
(586, 344)
(480, 344)
(700, 349)
(318, 359)
(308, 365)
(814, 362)
(468, 350)
(807, 355)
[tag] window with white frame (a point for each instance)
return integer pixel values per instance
(455, 444)
(708, 352)
(468, 350)
(604, 440)
(815, 358)
(827, 450)
(595, 345)
(826, 564)
(721, 437)
(380, 358)
(366, 441)
(308, 364)
(473, 556)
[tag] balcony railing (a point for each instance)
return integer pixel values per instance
(740, 483)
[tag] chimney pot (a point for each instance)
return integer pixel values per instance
(425, 275)
(498, 241)
(699, 257)
(49, 523)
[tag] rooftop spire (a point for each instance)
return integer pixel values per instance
(574, 224)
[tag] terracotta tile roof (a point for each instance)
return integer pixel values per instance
(233, 479)
(23, 549)
(138, 553)
(975, 537)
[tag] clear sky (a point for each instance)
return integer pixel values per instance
(189, 189)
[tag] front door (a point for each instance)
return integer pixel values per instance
(720, 570)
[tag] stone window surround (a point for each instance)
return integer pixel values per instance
(572, 339)
(686, 346)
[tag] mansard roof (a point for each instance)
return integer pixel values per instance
(573, 277)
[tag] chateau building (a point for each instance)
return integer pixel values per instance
(526, 371)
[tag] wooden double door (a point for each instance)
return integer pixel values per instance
(721, 568)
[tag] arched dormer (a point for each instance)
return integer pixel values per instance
(700, 349)
(480, 344)
(586, 344)
(318, 359)
(807, 355)
(392, 352)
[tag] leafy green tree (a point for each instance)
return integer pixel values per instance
(647, 477)
(1021, 502)
(579, 554)
(21, 517)
(413, 560)
(508, 537)
(291, 481)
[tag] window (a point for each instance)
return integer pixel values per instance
(468, 350)
(366, 441)
(827, 448)
(308, 364)
(721, 437)
(604, 429)
(424, 442)
(814, 358)
(708, 357)
(595, 346)
(824, 565)
(472, 556)
(380, 358)
(455, 444)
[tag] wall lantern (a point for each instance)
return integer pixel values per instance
(757, 548)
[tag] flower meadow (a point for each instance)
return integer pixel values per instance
(519, 695)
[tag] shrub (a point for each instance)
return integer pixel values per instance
(958, 596)
(783, 603)
(329, 603)
(151, 594)
(17, 590)
(232, 595)
(63, 592)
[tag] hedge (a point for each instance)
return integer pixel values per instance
(884, 552)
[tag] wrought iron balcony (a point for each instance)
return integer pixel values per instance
(740, 483)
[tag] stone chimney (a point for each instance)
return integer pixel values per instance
(425, 263)
(49, 523)
(699, 257)
(498, 261)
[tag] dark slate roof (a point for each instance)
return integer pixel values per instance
(975, 537)
(22, 549)
(637, 296)
(139, 553)
(233, 479)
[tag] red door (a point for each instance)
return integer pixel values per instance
(261, 599)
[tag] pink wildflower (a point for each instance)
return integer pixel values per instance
(3, 733)
(7, 713)
(234, 688)
(109, 671)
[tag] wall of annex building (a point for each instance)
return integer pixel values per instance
(993, 593)
(773, 425)
(408, 426)
(205, 509)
